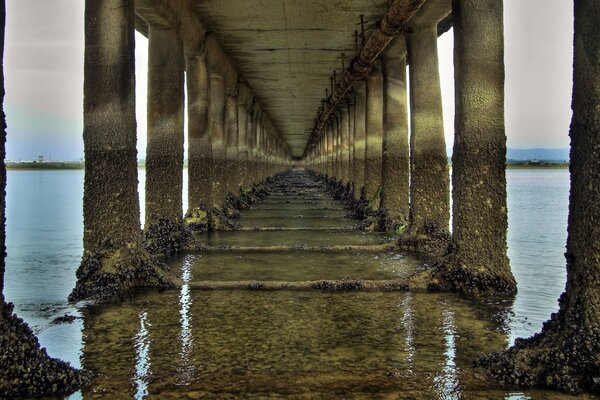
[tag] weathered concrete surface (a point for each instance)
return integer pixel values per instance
(287, 50)
(164, 231)
(244, 133)
(345, 144)
(337, 147)
(200, 164)
(231, 130)
(351, 111)
(360, 126)
(329, 152)
(114, 259)
(479, 261)
(374, 136)
(216, 122)
(395, 166)
(564, 355)
(429, 183)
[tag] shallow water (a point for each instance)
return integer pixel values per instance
(289, 238)
(291, 344)
(292, 267)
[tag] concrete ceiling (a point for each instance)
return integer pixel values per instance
(287, 49)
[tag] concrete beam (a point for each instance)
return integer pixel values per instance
(158, 13)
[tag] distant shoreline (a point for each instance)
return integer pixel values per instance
(72, 165)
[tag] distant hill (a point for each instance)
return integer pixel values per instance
(561, 154)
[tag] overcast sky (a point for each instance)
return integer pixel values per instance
(44, 77)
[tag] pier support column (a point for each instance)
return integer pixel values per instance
(351, 112)
(26, 370)
(199, 143)
(479, 261)
(253, 143)
(374, 136)
(114, 258)
(429, 181)
(232, 134)
(330, 154)
(360, 125)
(217, 137)
(345, 143)
(395, 168)
(244, 129)
(564, 356)
(164, 231)
(337, 147)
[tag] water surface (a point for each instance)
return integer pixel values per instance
(359, 345)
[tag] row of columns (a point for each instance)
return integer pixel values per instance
(404, 171)
(225, 137)
(232, 145)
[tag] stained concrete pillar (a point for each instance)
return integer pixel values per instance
(564, 356)
(244, 129)
(232, 135)
(114, 259)
(345, 143)
(360, 126)
(200, 165)
(351, 142)
(330, 153)
(218, 138)
(163, 229)
(479, 209)
(337, 146)
(395, 166)
(252, 143)
(429, 181)
(374, 135)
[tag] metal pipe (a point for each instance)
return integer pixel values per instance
(398, 14)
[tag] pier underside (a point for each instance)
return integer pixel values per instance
(317, 214)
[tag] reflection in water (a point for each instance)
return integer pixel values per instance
(409, 330)
(186, 369)
(446, 383)
(142, 357)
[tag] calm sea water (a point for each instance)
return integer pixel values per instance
(44, 241)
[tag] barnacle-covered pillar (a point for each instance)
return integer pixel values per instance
(395, 168)
(564, 356)
(114, 258)
(429, 179)
(164, 231)
(374, 136)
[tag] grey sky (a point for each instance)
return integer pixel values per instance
(44, 76)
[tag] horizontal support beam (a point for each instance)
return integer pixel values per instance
(344, 285)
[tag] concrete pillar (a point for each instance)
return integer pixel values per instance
(345, 143)
(231, 131)
(395, 168)
(218, 139)
(337, 146)
(330, 153)
(360, 126)
(564, 356)
(252, 143)
(351, 142)
(244, 129)
(200, 164)
(163, 229)
(114, 259)
(479, 210)
(374, 135)
(429, 181)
